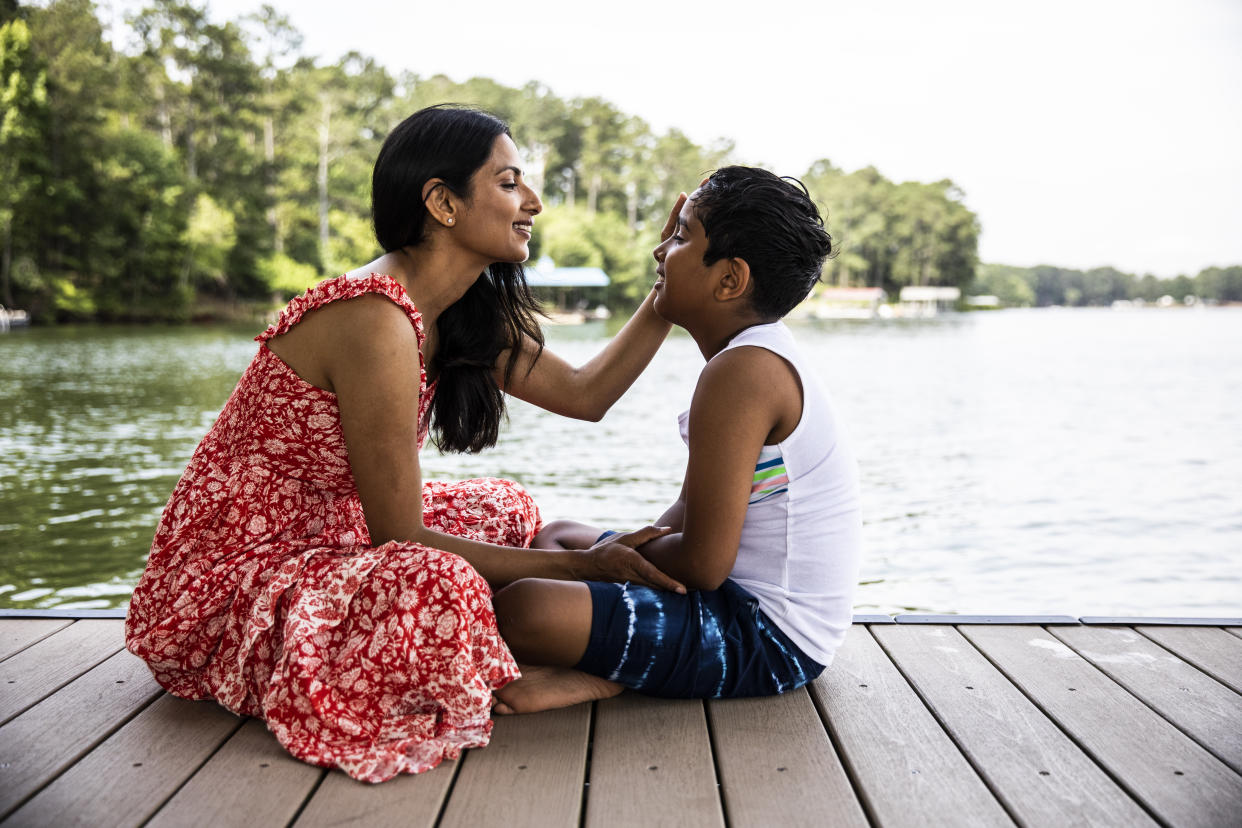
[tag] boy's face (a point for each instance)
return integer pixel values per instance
(683, 284)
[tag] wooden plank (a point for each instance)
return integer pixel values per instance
(906, 769)
(406, 801)
(115, 612)
(16, 634)
(1200, 706)
(944, 618)
(777, 765)
(652, 758)
(39, 670)
(1035, 769)
(126, 779)
(250, 780)
(1213, 651)
(1171, 621)
(531, 774)
(1178, 781)
(56, 732)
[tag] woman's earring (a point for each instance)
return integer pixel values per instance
(450, 221)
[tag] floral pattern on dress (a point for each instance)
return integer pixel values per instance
(262, 589)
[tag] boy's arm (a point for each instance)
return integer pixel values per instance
(674, 516)
(745, 397)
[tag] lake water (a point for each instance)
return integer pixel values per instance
(1085, 462)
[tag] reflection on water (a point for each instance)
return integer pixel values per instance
(1077, 461)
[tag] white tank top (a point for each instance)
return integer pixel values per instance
(802, 537)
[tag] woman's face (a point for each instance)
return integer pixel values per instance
(498, 220)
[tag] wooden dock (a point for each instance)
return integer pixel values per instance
(935, 720)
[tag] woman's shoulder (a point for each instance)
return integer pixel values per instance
(345, 287)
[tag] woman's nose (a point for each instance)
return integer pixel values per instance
(533, 203)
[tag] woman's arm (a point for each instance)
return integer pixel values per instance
(371, 359)
(587, 392)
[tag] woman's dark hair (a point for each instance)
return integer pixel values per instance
(451, 142)
(771, 222)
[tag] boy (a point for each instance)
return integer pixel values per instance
(765, 535)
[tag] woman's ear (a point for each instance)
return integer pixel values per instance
(440, 202)
(734, 281)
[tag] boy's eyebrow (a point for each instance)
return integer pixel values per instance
(681, 222)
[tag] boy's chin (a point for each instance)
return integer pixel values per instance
(656, 306)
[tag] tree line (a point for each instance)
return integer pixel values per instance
(205, 163)
(1046, 285)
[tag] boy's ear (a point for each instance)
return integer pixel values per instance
(734, 281)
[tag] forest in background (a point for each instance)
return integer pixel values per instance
(207, 164)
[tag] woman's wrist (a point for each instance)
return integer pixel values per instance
(576, 564)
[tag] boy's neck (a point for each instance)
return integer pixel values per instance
(713, 335)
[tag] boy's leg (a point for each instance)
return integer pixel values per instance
(544, 621)
(547, 625)
(566, 534)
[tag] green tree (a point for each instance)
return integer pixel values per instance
(572, 237)
(1221, 284)
(23, 103)
(142, 243)
(1005, 283)
(277, 42)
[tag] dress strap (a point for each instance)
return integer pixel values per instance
(344, 287)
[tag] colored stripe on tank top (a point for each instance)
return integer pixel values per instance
(771, 477)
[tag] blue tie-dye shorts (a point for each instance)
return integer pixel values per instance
(701, 645)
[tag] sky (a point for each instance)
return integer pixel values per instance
(1083, 133)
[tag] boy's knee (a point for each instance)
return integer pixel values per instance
(517, 615)
(548, 536)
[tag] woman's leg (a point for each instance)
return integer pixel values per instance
(486, 509)
(547, 625)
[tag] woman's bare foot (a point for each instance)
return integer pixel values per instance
(546, 688)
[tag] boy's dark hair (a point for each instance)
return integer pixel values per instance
(451, 142)
(771, 222)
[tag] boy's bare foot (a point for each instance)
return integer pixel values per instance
(546, 688)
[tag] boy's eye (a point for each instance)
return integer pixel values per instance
(677, 237)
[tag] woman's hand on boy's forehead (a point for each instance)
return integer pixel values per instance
(670, 226)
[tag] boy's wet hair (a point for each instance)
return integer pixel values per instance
(771, 222)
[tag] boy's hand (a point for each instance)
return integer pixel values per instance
(614, 559)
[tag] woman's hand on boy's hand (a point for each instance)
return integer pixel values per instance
(671, 224)
(614, 559)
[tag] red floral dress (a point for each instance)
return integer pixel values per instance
(263, 590)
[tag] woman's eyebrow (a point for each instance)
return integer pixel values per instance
(515, 170)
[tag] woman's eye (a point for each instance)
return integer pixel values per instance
(509, 185)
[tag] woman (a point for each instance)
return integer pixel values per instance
(302, 571)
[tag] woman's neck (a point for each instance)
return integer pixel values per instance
(433, 277)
